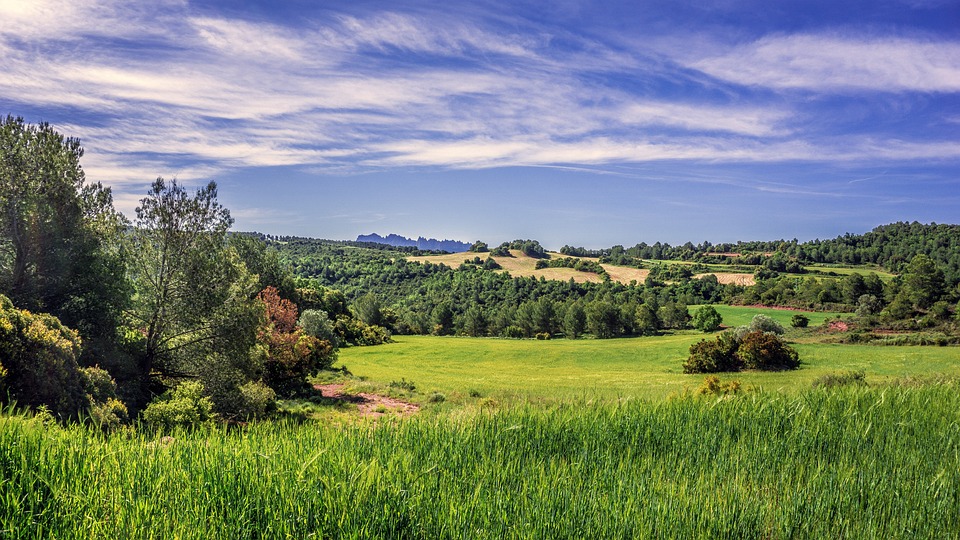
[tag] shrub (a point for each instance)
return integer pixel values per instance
(542, 335)
(513, 331)
(762, 323)
(799, 321)
(39, 362)
(437, 397)
(258, 400)
(713, 356)
(108, 415)
(765, 351)
(712, 386)
(184, 405)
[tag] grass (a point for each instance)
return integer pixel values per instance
(559, 370)
(741, 315)
(846, 463)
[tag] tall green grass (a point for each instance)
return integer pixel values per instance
(848, 463)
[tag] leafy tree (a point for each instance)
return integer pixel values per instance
(316, 323)
(799, 321)
(763, 323)
(443, 319)
(194, 301)
(923, 282)
(290, 354)
(707, 319)
(673, 315)
(264, 262)
(603, 319)
(474, 322)
(368, 309)
(479, 247)
(646, 321)
(59, 236)
(574, 321)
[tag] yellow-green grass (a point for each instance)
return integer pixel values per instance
(741, 315)
(647, 367)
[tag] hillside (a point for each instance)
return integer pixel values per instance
(520, 264)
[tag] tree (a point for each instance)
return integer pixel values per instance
(194, 301)
(368, 309)
(707, 319)
(923, 282)
(799, 320)
(574, 320)
(646, 321)
(59, 236)
(474, 322)
(290, 354)
(766, 351)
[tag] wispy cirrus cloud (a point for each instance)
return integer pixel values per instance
(176, 91)
(830, 62)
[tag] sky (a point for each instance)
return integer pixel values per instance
(588, 123)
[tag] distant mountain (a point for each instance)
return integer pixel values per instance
(451, 246)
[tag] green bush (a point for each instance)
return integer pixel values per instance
(513, 331)
(259, 400)
(765, 351)
(184, 405)
(799, 321)
(714, 356)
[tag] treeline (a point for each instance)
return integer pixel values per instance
(472, 300)
(891, 247)
(168, 314)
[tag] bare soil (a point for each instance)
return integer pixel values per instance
(369, 405)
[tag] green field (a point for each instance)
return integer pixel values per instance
(536, 439)
(647, 367)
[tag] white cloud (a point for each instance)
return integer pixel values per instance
(831, 63)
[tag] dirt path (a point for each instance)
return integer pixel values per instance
(369, 405)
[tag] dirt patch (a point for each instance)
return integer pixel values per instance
(838, 326)
(369, 405)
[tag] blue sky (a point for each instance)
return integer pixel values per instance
(583, 123)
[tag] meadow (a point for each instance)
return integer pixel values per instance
(535, 439)
(876, 462)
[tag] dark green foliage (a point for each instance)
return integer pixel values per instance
(733, 351)
(714, 356)
(530, 248)
(707, 319)
(60, 237)
(799, 320)
(264, 262)
(574, 320)
(479, 247)
(767, 352)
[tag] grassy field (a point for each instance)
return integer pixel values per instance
(844, 463)
(536, 439)
(648, 367)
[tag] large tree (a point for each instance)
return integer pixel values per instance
(59, 236)
(194, 301)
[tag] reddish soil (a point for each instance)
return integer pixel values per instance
(369, 405)
(838, 326)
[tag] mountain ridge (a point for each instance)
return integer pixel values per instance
(432, 244)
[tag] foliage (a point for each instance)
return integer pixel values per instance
(316, 323)
(733, 351)
(60, 248)
(714, 387)
(715, 356)
(766, 351)
(765, 324)
(799, 320)
(194, 298)
(290, 355)
(38, 357)
(833, 380)
(182, 405)
(707, 319)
